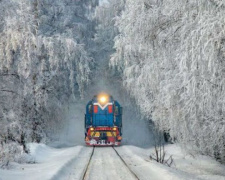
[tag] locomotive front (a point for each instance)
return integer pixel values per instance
(103, 121)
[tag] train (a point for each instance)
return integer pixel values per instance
(103, 121)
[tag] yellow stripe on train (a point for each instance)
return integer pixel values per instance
(108, 134)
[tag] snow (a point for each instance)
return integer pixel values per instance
(140, 163)
(201, 166)
(185, 166)
(105, 163)
(48, 162)
(70, 163)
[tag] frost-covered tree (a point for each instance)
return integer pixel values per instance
(106, 30)
(104, 16)
(43, 64)
(170, 55)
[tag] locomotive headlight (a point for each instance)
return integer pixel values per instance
(103, 99)
(92, 129)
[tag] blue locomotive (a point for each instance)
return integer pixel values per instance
(103, 121)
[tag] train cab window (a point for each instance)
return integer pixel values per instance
(90, 109)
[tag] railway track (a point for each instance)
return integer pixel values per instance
(132, 172)
(88, 165)
(85, 175)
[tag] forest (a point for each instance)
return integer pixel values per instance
(168, 56)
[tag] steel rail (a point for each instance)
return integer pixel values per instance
(88, 164)
(132, 172)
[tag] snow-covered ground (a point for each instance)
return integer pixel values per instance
(184, 167)
(70, 163)
(49, 163)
